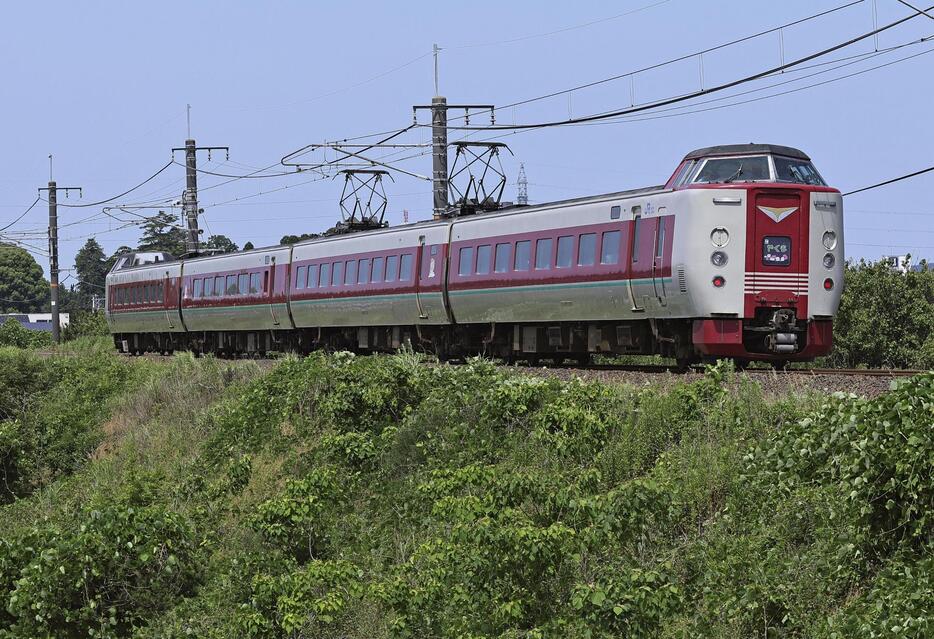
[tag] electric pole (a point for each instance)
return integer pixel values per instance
(190, 196)
(53, 247)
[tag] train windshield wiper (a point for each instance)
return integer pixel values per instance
(738, 173)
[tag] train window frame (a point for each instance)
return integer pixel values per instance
(564, 258)
(702, 166)
(686, 169)
(243, 284)
(501, 258)
(301, 277)
(405, 267)
(324, 279)
(255, 284)
(313, 275)
(208, 287)
(636, 227)
(543, 251)
(337, 273)
(363, 271)
(484, 256)
(350, 272)
(378, 270)
(392, 268)
(616, 212)
(610, 251)
(221, 290)
(465, 263)
(660, 239)
(587, 257)
(230, 285)
(522, 256)
(198, 288)
(807, 163)
(160, 292)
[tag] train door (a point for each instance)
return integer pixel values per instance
(642, 258)
(419, 260)
(658, 260)
(166, 303)
(272, 290)
(780, 271)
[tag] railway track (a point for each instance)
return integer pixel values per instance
(662, 368)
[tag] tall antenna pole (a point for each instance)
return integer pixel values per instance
(439, 147)
(188, 113)
(190, 196)
(522, 192)
(435, 50)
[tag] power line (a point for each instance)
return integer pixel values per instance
(23, 214)
(892, 181)
(118, 196)
(694, 94)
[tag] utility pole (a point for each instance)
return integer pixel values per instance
(190, 196)
(53, 247)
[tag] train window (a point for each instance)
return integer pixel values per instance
(209, 287)
(725, 170)
(543, 253)
(636, 227)
(798, 171)
(379, 268)
(565, 251)
(313, 276)
(325, 275)
(199, 288)
(501, 261)
(350, 272)
(301, 277)
(265, 281)
(609, 250)
(120, 296)
(405, 268)
(337, 273)
(219, 285)
(160, 292)
(392, 268)
(587, 249)
(660, 238)
(231, 285)
(483, 259)
(683, 173)
(615, 212)
(243, 285)
(523, 255)
(254, 283)
(363, 275)
(465, 262)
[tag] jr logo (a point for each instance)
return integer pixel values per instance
(776, 213)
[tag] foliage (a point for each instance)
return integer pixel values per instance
(23, 289)
(221, 244)
(12, 333)
(161, 232)
(342, 496)
(292, 239)
(248, 246)
(886, 318)
(85, 324)
(91, 268)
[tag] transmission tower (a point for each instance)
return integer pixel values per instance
(522, 192)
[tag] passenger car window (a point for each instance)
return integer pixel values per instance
(363, 275)
(254, 283)
(565, 251)
(313, 276)
(660, 238)
(609, 251)
(231, 285)
(502, 258)
(523, 250)
(325, 275)
(615, 212)
(199, 288)
(244, 284)
(405, 268)
(483, 259)
(219, 285)
(379, 267)
(350, 274)
(543, 253)
(301, 277)
(587, 249)
(465, 261)
(208, 286)
(337, 273)
(392, 268)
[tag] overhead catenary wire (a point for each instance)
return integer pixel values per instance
(119, 195)
(892, 181)
(23, 214)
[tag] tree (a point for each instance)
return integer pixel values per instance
(292, 239)
(23, 289)
(248, 246)
(221, 244)
(162, 233)
(91, 268)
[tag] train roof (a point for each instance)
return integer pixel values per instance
(743, 149)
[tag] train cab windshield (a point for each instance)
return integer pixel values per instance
(749, 168)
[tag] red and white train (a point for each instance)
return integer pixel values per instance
(739, 254)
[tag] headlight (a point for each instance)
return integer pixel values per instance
(718, 258)
(829, 240)
(719, 237)
(829, 260)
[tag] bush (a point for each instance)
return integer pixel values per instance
(12, 333)
(85, 324)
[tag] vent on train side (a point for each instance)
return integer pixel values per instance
(682, 279)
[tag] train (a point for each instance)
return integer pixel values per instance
(738, 255)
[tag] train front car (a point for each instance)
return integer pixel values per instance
(763, 249)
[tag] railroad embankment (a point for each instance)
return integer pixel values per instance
(341, 496)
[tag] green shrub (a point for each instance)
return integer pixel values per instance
(12, 333)
(85, 324)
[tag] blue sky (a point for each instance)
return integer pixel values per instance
(103, 86)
